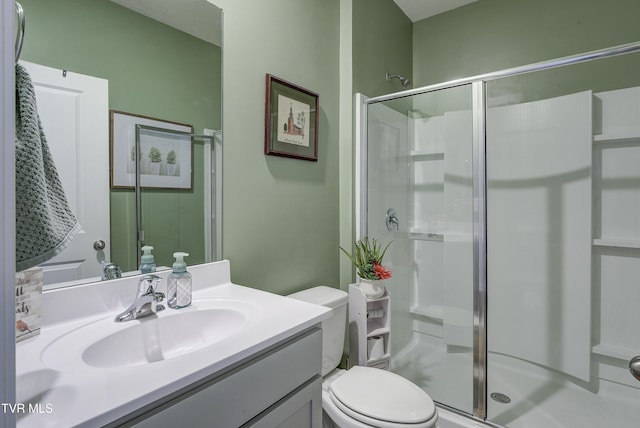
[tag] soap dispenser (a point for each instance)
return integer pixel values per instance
(179, 283)
(147, 262)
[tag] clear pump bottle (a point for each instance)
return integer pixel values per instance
(179, 283)
(147, 262)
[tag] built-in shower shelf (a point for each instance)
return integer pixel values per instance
(435, 312)
(627, 138)
(425, 155)
(424, 236)
(615, 351)
(617, 243)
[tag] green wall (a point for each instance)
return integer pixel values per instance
(153, 70)
(375, 38)
(382, 43)
(491, 35)
(280, 216)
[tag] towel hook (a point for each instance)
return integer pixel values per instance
(20, 30)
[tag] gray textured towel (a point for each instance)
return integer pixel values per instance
(45, 224)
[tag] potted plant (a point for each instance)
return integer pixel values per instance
(137, 161)
(156, 157)
(171, 163)
(367, 258)
(131, 167)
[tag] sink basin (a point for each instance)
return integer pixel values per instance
(163, 338)
(167, 335)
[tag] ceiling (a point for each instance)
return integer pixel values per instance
(195, 17)
(417, 10)
(199, 18)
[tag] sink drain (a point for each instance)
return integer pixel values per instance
(500, 397)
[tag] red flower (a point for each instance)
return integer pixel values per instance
(381, 271)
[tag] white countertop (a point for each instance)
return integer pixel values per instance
(65, 392)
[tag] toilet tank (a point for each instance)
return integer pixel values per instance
(333, 328)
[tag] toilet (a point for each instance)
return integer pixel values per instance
(362, 397)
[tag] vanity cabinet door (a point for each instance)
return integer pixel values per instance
(281, 385)
(303, 409)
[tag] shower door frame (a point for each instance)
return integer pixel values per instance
(479, 104)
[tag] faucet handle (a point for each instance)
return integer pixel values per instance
(147, 284)
(159, 298)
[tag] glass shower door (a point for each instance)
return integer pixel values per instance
(563, 253)
(172, 201)
(419, 170)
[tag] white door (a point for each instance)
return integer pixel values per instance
(74, 111)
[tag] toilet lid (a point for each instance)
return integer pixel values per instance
(382, 395)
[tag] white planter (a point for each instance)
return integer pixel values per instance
(155, 168)
(372, 288)
(171, 169)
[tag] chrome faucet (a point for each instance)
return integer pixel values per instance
(110, 271)
(147, 300)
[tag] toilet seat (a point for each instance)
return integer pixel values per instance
(382, 399)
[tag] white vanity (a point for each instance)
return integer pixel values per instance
(236, 357)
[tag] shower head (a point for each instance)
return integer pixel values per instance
(403, 81)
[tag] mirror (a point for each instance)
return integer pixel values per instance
(163, 61)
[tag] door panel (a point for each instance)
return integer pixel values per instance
(74, 111)
(420, 164)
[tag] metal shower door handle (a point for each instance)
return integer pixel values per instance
(392, 220)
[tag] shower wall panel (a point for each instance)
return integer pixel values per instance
(539, 232)
(458, 233)
(426, 221)
(387, 187)
(441, 225)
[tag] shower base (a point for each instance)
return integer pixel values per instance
(537, 397)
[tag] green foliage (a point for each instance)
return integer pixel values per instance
(155, 155)
(171, 157)
(367, 253)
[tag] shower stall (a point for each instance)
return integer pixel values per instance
(516, 238)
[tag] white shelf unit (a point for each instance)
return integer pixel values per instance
(417, 235)
(616, 240)
(369, 320)
(617, 243)
(428, 157)
(630, 142)
(425, 155)
(627, 138)
(614, 351)
(433, 312)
